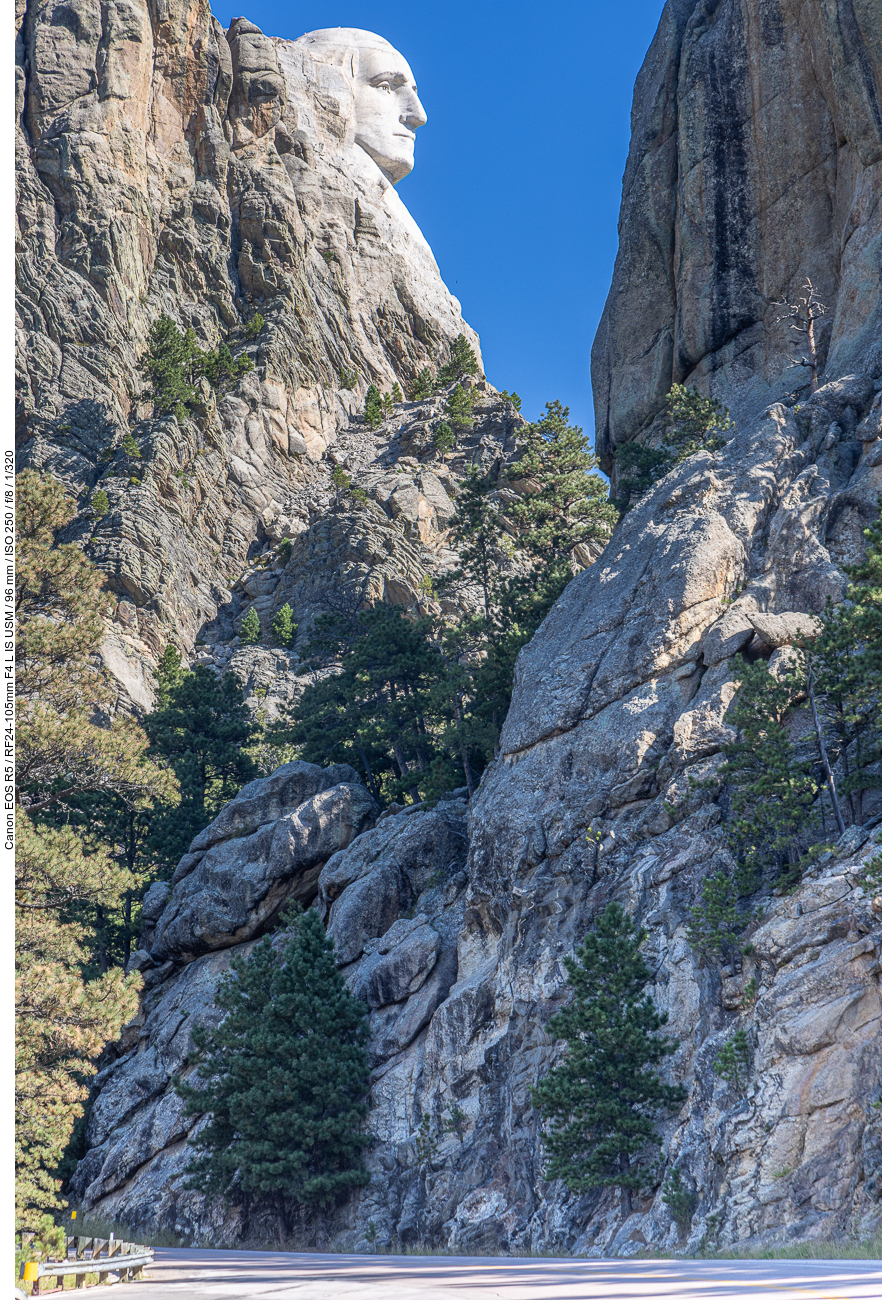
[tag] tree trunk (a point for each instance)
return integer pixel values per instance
(831, 784)
(812, 353)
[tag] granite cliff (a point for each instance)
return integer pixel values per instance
(167, 166)
(755, 161)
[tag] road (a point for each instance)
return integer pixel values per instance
(242, 1274)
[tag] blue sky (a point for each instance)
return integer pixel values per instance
(519, 169)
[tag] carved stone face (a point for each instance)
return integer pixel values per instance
(387, 106)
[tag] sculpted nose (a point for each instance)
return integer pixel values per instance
(414, 114)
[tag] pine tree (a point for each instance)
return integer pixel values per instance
(341, 481)
(284, 628)
(845, 666)
(174, 363)
(200, 728)
(397, 395)
(373, 407)
(249, 628)
(100, 504)
(478, 531)
(773, 786)
(692, 422)
(604, 1097)
(444, 440)
(64, 880)
(423, 386)
(459, 406)
(63, 1019)
(566, 501)
(284, 1078)
(461, 362)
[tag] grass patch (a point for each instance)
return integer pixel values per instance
(871, 1248)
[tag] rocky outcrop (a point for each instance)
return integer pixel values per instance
(755, 162)
(394, 901)
(165, 165)
(453, 924)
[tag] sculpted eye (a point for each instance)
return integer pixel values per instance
(384, 85)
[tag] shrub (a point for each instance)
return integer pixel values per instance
(100, 504)
(284, 628)
(254, 326)
(249, 629)
(423, 386)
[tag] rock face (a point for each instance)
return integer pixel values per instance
(755, 162)
(453, 923)
(165, 165)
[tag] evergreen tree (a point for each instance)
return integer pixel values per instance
(605, 1096)
(100, 504)
(478, 531)
(249, 628)
(566, 501)
(284, 628)
(444, 440)
(200, 728)
(341, 481)
(461, 362)
(373, 407)
(459, 406)
(254, 327)
(174, 363)
(63, 879)
(423, 386)
(63, 1018)
(284, 1078)
(692, 422)
(844, 677)
(397, 395)
(773, 786)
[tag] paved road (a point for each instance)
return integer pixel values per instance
(242, 1274)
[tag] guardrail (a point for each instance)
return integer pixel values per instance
(101, 1255)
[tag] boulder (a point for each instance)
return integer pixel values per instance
(240, 885)
(270, 798)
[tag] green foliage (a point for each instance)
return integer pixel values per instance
(716, 922)
(565, 502)
(129, 445)
(200, 728)
(384, 711)
(284, 1078)
(459, 406)
(603, 1099)
(772, 785)
(692, 422)
(348, 378)
(387, 404)
(637, 468)
(284, 628)
(444, 440)
(511, 397)
(423, 386)
(100, 504)
(249, 628)
(174, 364)
(426, 1142)
(460, 363)
(68, 1003)
(397, 395)
(283, 550)
(254, 327)
(679, 1199)
(733, 1060)
(373, 408)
